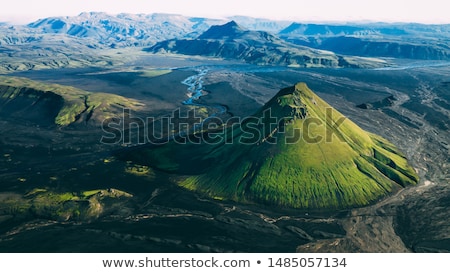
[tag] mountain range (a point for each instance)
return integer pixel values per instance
(75, 41)
(123, 29)
(231, 41)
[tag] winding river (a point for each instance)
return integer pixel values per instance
(195, 91)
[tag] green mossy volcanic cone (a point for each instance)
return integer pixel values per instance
(313, 157)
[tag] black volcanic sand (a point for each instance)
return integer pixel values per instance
(162, 217)
(236, 103)
(172, 220)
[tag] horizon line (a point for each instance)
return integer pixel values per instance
(24, 20)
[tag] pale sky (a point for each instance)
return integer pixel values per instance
(428, 11)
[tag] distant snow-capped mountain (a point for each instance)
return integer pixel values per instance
(123, 29)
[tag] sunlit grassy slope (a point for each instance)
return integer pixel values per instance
(75, 102)
(54, 205)
(315, 158)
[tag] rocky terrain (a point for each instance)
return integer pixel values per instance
(98, 39)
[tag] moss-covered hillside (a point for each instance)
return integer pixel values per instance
(311, 157)
(62, 105)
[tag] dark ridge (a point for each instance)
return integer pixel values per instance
(30, 104)
(386, 102)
